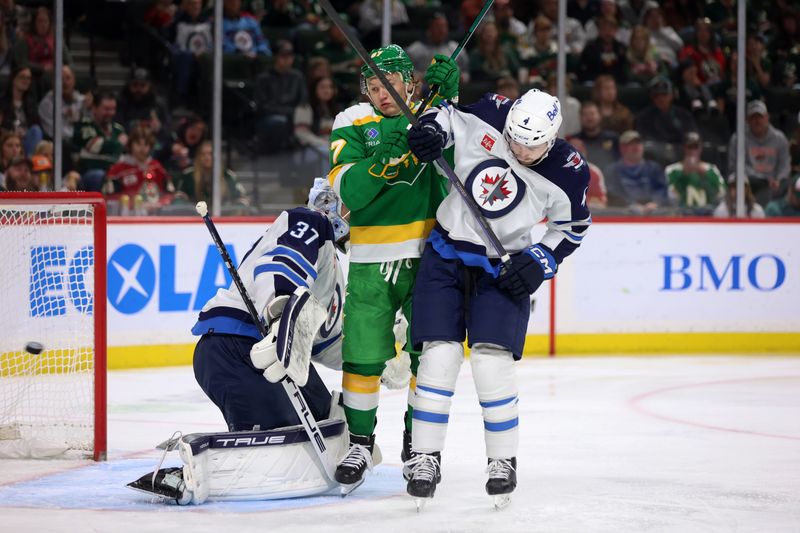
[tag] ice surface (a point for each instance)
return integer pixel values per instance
(606, 444)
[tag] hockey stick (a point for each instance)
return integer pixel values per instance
(292, 390)
(435, 88)
(440, 161)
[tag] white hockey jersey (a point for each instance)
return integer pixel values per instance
(512, 197)
(296, 250)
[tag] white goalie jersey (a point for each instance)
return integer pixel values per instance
(297, 250)
(511, 197)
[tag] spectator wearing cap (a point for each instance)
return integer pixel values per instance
(727, 207)
(139, 105)
(789, 205)
(693, 94)
(19, 176)
(663, 121)
(605, 54)
(278, 92)
(601, 144)
(634, 181)
(100, 141)
(695, 186)
(436, 42)
(766, 154)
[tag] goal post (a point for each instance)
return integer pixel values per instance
(53, 287)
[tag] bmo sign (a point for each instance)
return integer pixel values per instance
(764, 272)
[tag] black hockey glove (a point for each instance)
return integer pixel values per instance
(426, 139)
(526, 271)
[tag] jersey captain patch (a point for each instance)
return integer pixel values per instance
(495, 188)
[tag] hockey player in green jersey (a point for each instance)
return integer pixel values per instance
(392, 199)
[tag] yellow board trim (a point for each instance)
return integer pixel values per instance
(126, 357)
(361, 384)
(391, 234)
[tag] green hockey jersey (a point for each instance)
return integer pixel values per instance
(392, 210)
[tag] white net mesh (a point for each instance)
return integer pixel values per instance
(47, 286)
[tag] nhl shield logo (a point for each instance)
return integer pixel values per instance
(495, 188)
(488, 141)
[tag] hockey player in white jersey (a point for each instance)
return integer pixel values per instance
(266, 453)
(518, 172)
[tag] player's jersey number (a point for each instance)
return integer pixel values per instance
(300, 229)
(336, 148)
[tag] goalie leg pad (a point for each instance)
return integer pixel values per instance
(436, 380)
(258, 465)
(495, 382)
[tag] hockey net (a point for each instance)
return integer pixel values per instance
(52, 403)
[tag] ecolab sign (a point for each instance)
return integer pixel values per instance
(132, 278)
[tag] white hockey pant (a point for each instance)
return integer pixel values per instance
(495, 381)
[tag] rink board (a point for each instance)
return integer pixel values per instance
(685, 286)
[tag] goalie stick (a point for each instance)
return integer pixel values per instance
(440, 161)
(292, 390)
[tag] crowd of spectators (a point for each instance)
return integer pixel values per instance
(650, 104)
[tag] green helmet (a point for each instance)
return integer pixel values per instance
(391, 58)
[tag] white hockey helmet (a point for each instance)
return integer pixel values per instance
(324, 199)
(533, 121)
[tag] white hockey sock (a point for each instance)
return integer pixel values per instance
(495, 381)
(436, 381)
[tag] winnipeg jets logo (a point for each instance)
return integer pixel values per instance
(334, 311)
(496, 189)
(574, 161)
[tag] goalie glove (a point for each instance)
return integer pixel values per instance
(287, 351)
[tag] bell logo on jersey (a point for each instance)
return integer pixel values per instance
(574, 161)
(495, 188)
(488, 142)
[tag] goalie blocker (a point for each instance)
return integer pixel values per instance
(248, 465)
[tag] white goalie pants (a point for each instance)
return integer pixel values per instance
(495, 382)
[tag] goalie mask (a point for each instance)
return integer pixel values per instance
(324, 199)
(532, 126)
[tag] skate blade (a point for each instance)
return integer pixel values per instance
(501, 501)
(156, 496)
(347, 489)
(420, 503)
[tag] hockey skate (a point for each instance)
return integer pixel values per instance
(357, 461)
(406, 454)
(166, 483)
(425, 474)
(502, 480)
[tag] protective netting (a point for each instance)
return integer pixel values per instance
(46, 289)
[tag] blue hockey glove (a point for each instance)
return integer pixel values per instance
(426, 139)
(444, 73)
(526, 271)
